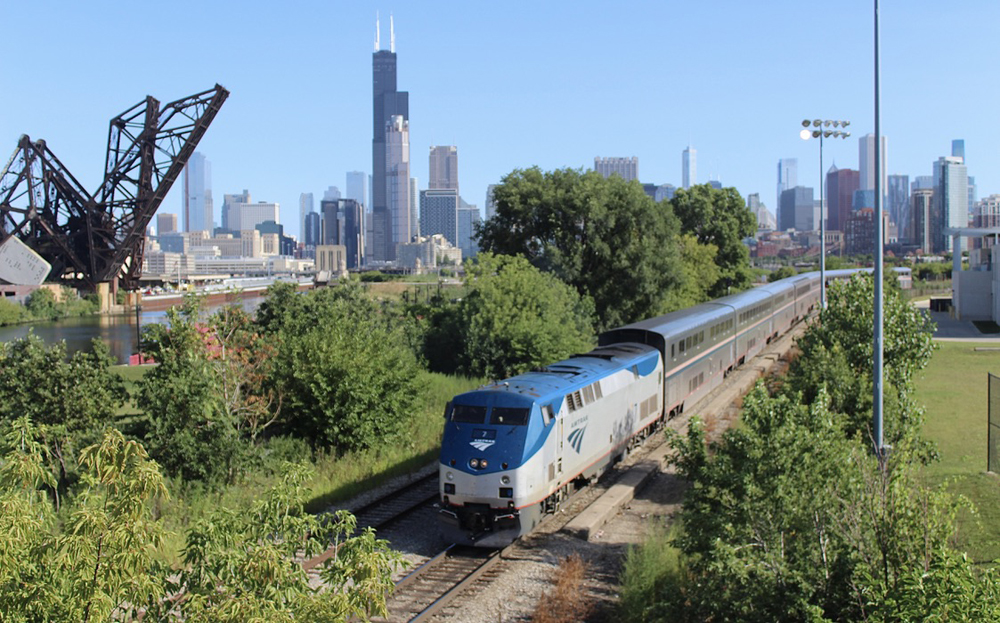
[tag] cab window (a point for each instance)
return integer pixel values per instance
(507, 415)
(466, 414)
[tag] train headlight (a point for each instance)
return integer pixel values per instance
(474, 463)
(505, 480)
(449, 476)
(482, 463)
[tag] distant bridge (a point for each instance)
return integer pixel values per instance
(92, 238)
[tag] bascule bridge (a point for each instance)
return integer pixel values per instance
(53, 229)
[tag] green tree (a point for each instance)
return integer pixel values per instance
(837, 354)
(604, 237)
(11, 313)
(41, 304)
(782, 273)
(96, 565)
(188, 430)
(719, 217)
(345, 366)
(513, 318)
(699, 273)
(70, 400)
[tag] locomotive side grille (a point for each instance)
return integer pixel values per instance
(588, 393)
(597, 390)
(570, 402)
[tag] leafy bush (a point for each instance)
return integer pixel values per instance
(344, 366)
(513, 318)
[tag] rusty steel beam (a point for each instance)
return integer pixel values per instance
(96, 238)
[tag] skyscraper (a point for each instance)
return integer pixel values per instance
(229, 216)
(306, 206)
(387, 103)
(627, 168)
(491, 208)
(443, 168)
(787, 178)
(798, 210)
(866, 163)
(439, 213)
(357, 188)
(166, 223)
(689, 168)
(898, 203)
(951, 201)
(958, 148)
(397, 185)
(840, 187)
(198, 210)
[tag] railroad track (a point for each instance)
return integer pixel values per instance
(432, 586)
(387, 510)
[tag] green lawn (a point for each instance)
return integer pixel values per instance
(953, 388)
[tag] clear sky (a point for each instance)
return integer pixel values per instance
(512, 84)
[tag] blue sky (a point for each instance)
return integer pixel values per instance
(512, 84)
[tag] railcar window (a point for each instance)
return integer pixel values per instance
(466, 414)
(509, 415)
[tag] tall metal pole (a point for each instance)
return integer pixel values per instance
(878, 343)
(822, 232)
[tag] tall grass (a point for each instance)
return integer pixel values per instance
(652, 570)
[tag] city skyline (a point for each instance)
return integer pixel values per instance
(508, 106)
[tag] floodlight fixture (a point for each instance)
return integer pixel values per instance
(812, 130)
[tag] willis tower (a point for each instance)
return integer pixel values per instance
(387, 102)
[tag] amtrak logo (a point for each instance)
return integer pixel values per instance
(482, 444)
(576, 438)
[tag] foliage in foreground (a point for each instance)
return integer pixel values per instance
(98, 563)
(69, 400)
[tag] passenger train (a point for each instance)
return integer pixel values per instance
(512, 450)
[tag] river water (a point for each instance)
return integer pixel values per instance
(118, 331)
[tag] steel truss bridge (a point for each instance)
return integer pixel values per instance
(91, 238)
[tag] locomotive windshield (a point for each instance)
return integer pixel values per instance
(466, 414)
(507, 415)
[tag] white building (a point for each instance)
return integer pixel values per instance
(397, 182)
(626, 168)
(866, 164)
(427, 252)
(246, 216)
(689, 167)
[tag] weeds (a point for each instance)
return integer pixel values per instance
(567, 601)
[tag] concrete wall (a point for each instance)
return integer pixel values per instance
(973, 293)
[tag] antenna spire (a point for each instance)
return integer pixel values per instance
(376, 32)
(392, 36)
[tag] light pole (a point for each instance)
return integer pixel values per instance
(820, 130)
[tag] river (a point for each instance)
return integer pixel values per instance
(118, 331)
